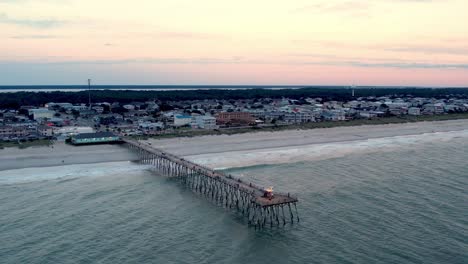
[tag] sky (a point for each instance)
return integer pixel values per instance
(242, 42)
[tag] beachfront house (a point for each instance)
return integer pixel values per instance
(95, 138)
(182, 120)
(415, 111)
(203, 122)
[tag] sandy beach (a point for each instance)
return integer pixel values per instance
(62, 154)
(226, 151)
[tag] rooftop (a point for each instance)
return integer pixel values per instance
(95, 135)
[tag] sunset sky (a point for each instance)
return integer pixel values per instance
(315, 42)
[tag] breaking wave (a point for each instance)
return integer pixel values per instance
(68, 172)
(313, 152)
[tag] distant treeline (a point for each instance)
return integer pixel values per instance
(18, 99)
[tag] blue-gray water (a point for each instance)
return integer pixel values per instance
(401, 206)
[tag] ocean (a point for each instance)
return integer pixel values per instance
(405, 204)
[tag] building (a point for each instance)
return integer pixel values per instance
(87, 113)
(431, 109)
(182, 120)
(298, 117)
(72, 130)
(129, 107)
(146, 125)
(13, 132)
(334, 115)
(52, 106)
(98, 109)
(41, 113)
(242, 118)
(204, 122)
(397, 108)
(95, 138)
(415, 111)
(45, 131)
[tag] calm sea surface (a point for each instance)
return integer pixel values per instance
(407, 205)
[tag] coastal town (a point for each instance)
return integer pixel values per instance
(60, 121)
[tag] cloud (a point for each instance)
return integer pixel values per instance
(34, 23)
(414, 65)
(323, 61)
(26, 1)
(331, 59)
(35, 37)
(187, 35)
(460, 47)
(429, 50)
(326, 7)
(352, 7)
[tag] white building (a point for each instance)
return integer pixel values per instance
(334, 115)
(72, 130)
(129, 107)
(204, 122)
(415, 111)
(41, 113)
(182, 120)
(98, 109)
(45, 131)
(80, 107)
(298, 117)
(150, 125)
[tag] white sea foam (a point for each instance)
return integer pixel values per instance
(322, 151)
(241, 158)
(68, 172)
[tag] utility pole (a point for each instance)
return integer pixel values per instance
(89, 93)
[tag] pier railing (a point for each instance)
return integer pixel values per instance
(254, 202)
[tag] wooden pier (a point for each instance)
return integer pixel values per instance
(260, 207)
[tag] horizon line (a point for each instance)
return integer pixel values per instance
(223, 85)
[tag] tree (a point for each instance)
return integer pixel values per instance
(106, 108)
(166, 107)
(119, 110)
(24, 112)
(75, 113)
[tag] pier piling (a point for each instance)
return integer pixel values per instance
(247, 199)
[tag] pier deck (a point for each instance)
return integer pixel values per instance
(229, 191)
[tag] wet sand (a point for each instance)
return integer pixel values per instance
(62, 154)
(287, 146)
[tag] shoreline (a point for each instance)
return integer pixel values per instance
(212, 144)
(62, 154)
(289, 146)
(246, 149)
(313, 125)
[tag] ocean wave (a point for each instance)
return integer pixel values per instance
(68, 172)
(313, 152)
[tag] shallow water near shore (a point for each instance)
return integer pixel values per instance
(403, 205)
